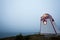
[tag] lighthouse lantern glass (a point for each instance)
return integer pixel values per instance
(44, 22)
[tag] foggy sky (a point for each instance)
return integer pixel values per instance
(24, 15)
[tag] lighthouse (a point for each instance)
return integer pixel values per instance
(47, 24)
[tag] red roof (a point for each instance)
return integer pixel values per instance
(46, 16)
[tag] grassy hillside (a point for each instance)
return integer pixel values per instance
(32, 37)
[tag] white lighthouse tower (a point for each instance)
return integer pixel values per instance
(47, 25)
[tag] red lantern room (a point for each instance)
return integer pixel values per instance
(46, 16)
